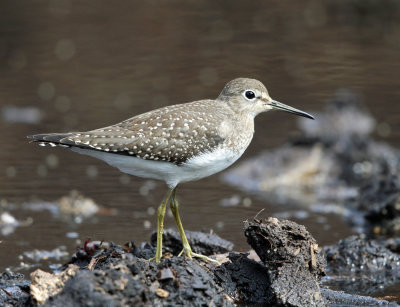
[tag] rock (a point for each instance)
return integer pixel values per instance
(39, 255)
(284, 241)
(45, 285)
(361, 256)
(287, 174)
(338, 298)
(14, 290)
(77, 205)
(8, 223)
(363, 266)
(135, 282)
(291, 270)
(162, 293)
(379, 199)
(392, 244)
(344, 115)
(74, 207)
(121, 276)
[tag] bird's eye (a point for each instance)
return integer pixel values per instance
(249, 95)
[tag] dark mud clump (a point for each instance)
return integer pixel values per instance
(283, 241)
(112, 275)
(341, 299)
(380, 201)
(137, 282)
(361, 266)
(291, 268)
(14, 289)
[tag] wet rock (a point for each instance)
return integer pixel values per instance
(38, 255)
(357, 265)
(360, 255)
(291, 270)
(74, 207)
(338, 298)
(392, 244)
(287, 174)
(77, 205)
(380, 200)
(203, 243)
(8, 223)
(339, 118)
(14, 290)
(284, 241)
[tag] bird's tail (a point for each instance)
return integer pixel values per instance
(52, 139)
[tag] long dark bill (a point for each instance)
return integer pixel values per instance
(283, 107)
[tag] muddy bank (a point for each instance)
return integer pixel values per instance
(286, 271)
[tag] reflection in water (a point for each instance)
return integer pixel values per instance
(82, 66)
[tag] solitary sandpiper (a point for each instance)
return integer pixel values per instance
(178, 143)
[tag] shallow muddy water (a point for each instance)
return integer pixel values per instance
(80, 65)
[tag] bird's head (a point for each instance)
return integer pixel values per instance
(250, 96)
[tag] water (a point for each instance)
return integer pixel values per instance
(80, 66)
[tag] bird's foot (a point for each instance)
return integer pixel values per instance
(158, 255)
(155, 259)
(187, 252)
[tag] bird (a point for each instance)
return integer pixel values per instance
(178, 143)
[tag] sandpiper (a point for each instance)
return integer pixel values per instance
(178, 143)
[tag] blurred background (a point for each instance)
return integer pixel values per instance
(79, 65)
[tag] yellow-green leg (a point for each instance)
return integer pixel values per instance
(160, 224)
(187, 251)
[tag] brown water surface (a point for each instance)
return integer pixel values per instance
(88, 64)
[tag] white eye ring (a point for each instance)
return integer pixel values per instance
(249, 95)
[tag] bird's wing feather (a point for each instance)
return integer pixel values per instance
(174, 134)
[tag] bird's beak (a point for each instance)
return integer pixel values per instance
(283, 107)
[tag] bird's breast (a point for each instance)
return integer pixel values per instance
(237, 133)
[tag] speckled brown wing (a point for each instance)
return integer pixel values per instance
(174, 134)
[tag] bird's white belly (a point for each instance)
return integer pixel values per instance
(208, 164)
(195, 168)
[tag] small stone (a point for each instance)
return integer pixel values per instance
(147, 224)
(45, 284)
(162, 293)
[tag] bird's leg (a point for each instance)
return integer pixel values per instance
(187, 251)
(160, 224)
